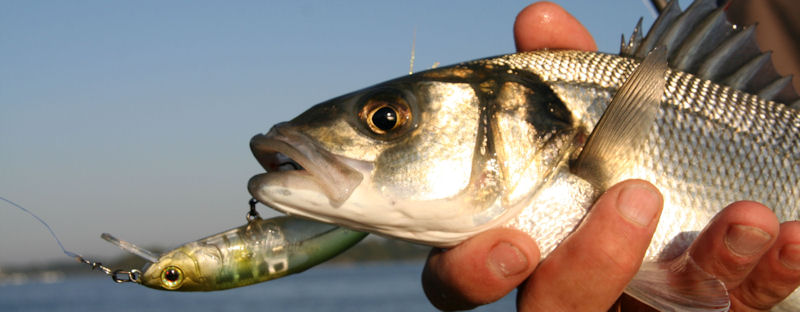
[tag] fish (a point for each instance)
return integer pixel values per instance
(529, 141)
(259, 251)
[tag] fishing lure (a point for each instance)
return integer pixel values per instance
(261, 250)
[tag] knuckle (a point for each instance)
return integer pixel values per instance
(760, 295)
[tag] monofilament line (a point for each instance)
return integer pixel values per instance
(68, 253)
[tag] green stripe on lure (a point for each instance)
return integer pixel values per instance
(529, 140)
(261, 250)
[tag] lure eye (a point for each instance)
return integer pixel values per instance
(171, 277)
(385, 113)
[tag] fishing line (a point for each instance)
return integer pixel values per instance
(118, 276)
(66, 252)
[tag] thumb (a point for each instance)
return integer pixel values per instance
(480, 270)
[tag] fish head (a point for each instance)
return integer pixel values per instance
(186, 268)
(411, 158)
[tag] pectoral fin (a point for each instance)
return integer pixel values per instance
(678, 285)
(625, 123)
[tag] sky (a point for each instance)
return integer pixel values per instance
(134, 118)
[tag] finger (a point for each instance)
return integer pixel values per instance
(732, 244)
(480, 270)
(547, 25)
(775, 276)
(601, 256)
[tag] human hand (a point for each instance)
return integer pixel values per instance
(485, 268)
(488, 266)
(756, 258)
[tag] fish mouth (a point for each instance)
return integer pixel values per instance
(294, 161)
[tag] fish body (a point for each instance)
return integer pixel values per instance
(441, 155)
(710, 145)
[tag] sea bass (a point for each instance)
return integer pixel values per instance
(529, 141)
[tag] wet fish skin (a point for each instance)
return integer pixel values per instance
(711, 145)
(497, 142)
(502, 158)
(492, 141)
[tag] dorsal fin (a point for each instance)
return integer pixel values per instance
(625, 123)
(701, 41)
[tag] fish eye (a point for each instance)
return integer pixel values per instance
(385, 113)
(384, 118)
(171, 277)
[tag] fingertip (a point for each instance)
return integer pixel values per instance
(776, 275)
(601, 256)
(639, 202)
(480, 270)
(732, 244)
(625, 217)
(789, 256)
(750, 228)
(788, 244)
(507, 260)
(750, 213)
(547, 25)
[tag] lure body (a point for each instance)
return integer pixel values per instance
(262, 250)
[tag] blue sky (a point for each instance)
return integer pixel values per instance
(134, 117)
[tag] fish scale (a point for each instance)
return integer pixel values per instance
(689, 150)
(709, 145)
(532, 139)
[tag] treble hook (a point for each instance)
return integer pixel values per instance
(252, 215)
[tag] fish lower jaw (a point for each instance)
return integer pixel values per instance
(422, 222)
(286, 181)
(275, 187)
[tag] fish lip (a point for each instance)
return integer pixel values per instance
(270, 152)
(331, 173)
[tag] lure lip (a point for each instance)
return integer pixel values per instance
(283, 146)
(130, 247)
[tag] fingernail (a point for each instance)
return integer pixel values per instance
(507, 260)
(746, 240)
(638, 203)
(790, 256)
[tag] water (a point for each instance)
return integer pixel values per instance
(363, 287)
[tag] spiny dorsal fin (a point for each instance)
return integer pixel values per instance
(683, 26)
(729, 56)
(636, 38)
(626, 122)
(639, 49)
(701, 41)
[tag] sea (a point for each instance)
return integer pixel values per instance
(382, 286)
